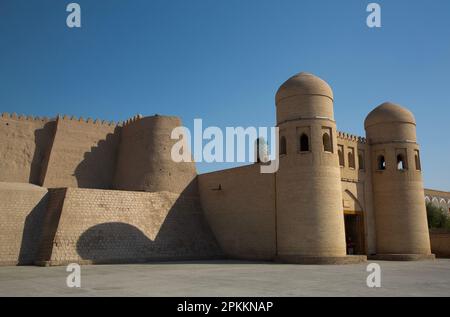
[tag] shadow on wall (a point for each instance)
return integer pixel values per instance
(98, 165)
(113, 241)
(43, 139)
(183, 235)
(32, 233)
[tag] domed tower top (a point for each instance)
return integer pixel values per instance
(304, 96)
(389, 112)
(390, 122)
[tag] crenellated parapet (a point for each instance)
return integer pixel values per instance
(88, 120)
(131, 120)
(60, 117)
(351, 137)
(21, 117)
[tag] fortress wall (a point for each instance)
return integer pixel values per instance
(24, 143)
(440, 242)
(358, 145)
(83, 154)
(145, 163)
(50, 224)
(22, 210)
(104, 226)
(242, 213)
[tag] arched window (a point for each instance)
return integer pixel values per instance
(401, 162)
(304, 143)
(341, 155)
(381, 162)
(283, 147)
(351, 158)
(417, 160)
(327, 146)
(361, 160)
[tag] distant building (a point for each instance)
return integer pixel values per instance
(438, 198)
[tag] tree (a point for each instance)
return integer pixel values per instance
(437, 217)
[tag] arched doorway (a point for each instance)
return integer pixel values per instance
(354, 225)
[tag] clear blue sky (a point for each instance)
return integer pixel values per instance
(223, 61)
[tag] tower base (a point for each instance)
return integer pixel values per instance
(323, 260)
(402, 257)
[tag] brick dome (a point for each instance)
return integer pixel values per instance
(389, 113)
(303, 84)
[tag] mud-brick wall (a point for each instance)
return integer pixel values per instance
(83, 154)
(24, 145)
(22, 209)
(440, 242)
(103, 226)
(239, 205)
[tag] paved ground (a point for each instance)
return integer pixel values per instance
(231, 278)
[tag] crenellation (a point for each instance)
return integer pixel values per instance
(23, 117)
(95, 122)
(131, 120)
(350, 137)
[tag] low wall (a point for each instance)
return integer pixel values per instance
(106, 226)
(440, 243)
(239, 204)
(22, 210)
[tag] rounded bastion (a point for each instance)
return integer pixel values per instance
(310, 221)
(400, 214)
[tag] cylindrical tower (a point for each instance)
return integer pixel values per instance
(144, 160)
(398, 195)
(310, 220)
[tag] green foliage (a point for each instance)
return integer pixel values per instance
(437, 217)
